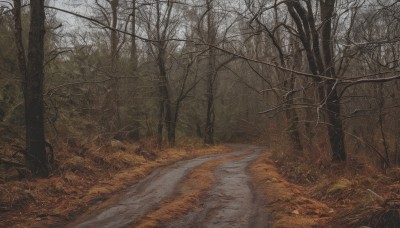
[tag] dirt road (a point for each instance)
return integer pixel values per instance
(232, 202)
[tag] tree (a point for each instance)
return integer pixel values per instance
(161, 33)
(111, 103)
(36, 158)
(335, 129)
(134, 69)
(133, 53)
(321, 63)
(288, 78)
(211, 74)
(170, 93)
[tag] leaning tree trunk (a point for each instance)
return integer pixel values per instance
(36, 152)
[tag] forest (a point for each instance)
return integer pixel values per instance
(290, 102)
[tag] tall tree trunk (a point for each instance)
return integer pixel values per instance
(36, 159)
(309, 36)
(111, 116)
(19, 41)
(134, 56)
(20, 50)
(182, 94)
(134, 65)
(160, 125)
(165, 115)
(174, 123)
(165, 101)
(211, 39)
(335, 129)
(385, 162)
(210, 115)
(292, 117)
(114, 34)
(163, 85)
(310, 40)
(291, 114)
(172, 133)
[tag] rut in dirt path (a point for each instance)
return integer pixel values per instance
(233, 202)
(144, 196)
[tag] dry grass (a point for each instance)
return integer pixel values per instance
(290, 206)
(192, 191)
(343, 187)
(81, 180)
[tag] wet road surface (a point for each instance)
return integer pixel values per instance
(232, 202)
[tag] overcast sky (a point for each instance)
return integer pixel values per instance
(77, 6)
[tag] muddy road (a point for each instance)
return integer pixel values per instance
(232, 202)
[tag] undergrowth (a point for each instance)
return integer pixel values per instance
(288, 203)
(359, 193)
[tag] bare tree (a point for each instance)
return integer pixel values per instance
(134, 67)
(111, 103)
(288, 78)
(211, 74)
(36, 145)
(319, 53)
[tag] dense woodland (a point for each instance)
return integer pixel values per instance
(97, 94)
(315, 76)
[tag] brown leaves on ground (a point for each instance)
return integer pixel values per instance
(290, 206)
(339, 193)
(81, 180)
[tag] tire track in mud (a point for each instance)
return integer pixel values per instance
(233, 202)
(146, 195)
(190, 193)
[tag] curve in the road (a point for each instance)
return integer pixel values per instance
(145, 195)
